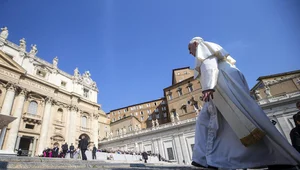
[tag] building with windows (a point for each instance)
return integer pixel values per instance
(183, 96)
(174, 140)
(138, 116)
(50, 106)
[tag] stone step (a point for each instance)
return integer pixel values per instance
(59, 163)
(86, 165)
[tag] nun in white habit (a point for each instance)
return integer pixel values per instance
(232, 131)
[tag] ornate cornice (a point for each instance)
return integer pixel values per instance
(73, 108)
(49, 100)
(23, 92)
(11, 87)
(96, 115)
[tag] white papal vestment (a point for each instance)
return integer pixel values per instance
(216, 143)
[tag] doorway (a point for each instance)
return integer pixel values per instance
(25, 145)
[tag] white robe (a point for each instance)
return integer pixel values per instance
(216, 144)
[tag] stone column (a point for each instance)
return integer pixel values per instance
(34, 146)
(67, 125)
(95, 128)
(13, 133)
(45, 125)
(6, 107)
(72, 126)
(30, 147)
(18, 142)
(2, 135)
(184, 150)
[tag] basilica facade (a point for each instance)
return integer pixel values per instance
(50, 106)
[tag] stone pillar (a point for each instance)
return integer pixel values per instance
(45, 125)
(2, 135)
(34, 147)
(95, 128)
(177, 149)
(13, 133)
(6, 107)
(18, 143)
(67, 126)
(72, 126)
(184, 150)
(30, 147)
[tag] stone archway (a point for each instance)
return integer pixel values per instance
(57, 140)
(88, 139)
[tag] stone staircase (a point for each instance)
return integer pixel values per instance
(64, 164)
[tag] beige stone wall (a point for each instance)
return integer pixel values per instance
(142, 112)
(278, 85)
(179, 102)
(62, 105)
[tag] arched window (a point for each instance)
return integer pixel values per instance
(59, 114)
(83, 121)
(32, 109)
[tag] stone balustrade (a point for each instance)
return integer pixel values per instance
(278, 98)
(32, 117)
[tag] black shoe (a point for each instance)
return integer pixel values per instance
(198, 165)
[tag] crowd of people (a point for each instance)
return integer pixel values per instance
(82, 148)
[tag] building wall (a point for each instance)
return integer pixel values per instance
(144, 112)
(48, 112)
(174, 141)
(179, 95)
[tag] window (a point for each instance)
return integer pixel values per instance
(163, 102)
(125, 110)
(59, 115)
(298, 81)
(157, 116)
(141, 106)
(178, 73)
(190, 88)
(63, 83)
(83, 121)
(41, 73)
(155, 103)
(142, 118)
(156, 110)
(148, 105)
(184, 109)
(114, 119)
(85, 93)
(119, 112)
(142, 113)
(170, 153)
(170, 96)
(164, 108)
(148, 111)
(179, 91)
(130, 128)
(174, 113)
(32, 109)
(131, 114)
(165, 114)
(28, 126)
(136, 113)
(119, 117)
(150, 117)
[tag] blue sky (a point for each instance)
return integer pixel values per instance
(131, 46)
